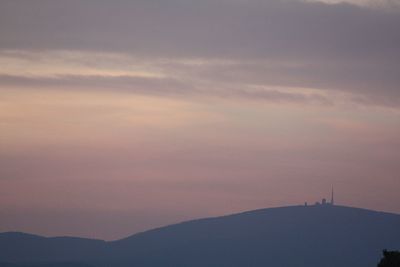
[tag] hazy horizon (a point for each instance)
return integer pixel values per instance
(118, 117)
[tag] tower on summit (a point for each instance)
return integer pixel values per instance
(324, 201)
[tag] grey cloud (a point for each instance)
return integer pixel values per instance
(341, 46)
(370, 84)
(157, 86)
(369, 80)
(123, 82)
(282, 29)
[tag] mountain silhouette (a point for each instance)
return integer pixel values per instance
(320, 235)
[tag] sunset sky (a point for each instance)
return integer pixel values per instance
(120, 116)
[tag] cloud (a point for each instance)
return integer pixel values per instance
(128, 83)
(268, 29)
(157, 86)
(387, 5)
(341, 47)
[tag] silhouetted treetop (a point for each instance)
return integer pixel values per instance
(390, 259)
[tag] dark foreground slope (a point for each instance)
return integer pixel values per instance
(291, 236)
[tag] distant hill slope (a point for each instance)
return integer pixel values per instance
(313, 236)
(26, 248)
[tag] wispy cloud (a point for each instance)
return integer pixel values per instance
(203, 45)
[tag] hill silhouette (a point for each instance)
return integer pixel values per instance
(310, 236)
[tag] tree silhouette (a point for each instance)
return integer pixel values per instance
(390, 259)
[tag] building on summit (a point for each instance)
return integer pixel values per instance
(324, 202)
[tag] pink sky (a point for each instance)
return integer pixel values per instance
(101, 140)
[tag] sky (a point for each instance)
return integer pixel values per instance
(121, 116)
